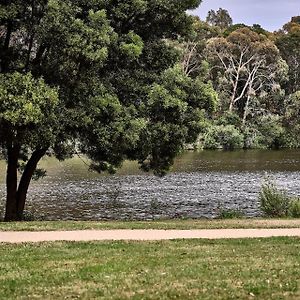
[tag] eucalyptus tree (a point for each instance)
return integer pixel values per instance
(288, 42)
(193, 46)
(247, 67)
(96, 76)
(220, 18)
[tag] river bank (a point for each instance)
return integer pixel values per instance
(156, 225)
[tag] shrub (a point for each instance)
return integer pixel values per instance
(294, 208)
(273, 202)
(223, 137)
(252, 138)
(229, 118)
(271, 131)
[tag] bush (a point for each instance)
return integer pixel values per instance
(229, 118)
(294, 208)
(252, 138)
(223, 137)
(271, 131)
(276, 203)
(273, 202)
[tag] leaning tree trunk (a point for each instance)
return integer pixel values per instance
(11, 183)
(25, 181)
(16, 195)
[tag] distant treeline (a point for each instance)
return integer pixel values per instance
(256, 75)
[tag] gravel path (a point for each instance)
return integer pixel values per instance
(143, 235)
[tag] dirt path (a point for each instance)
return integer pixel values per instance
(143, 235)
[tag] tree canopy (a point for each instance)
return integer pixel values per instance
(220, 18)
(247, 66)
(256, 76)
(288, 42)
(99, 77)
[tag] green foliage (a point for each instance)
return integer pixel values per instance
(247, 66)
(112, 65)
(220, 18)
(133, 45)
(274, 203)
(248, 73)
(24, 100)
(288, 42)
(255, 27)
(225, 137)
(99, 77)
(271, 131)
(252, 138)
(291, 120)
(229, 118)
(28, 106)
(294, 208)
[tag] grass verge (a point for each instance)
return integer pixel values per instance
(167, 224)
(192, 269)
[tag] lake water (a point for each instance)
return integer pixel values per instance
(199, 186)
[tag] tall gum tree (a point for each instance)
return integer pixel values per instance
(246, 66)
(288, 42)
(95, 76)
(193, 45)
(220, 18)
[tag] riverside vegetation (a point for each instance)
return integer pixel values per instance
(277, 203)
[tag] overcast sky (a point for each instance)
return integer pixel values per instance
(271, 14)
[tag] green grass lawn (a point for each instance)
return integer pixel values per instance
(180, 269)
(167, 224)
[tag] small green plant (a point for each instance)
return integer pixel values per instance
(273, 202)
(29, 216)
(230, 214)
(294, 208)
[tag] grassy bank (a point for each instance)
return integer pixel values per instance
(167, 224)
(193, 269)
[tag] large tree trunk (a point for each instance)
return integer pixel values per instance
(25, 180)
(11, 183)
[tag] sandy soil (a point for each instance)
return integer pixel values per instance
(143, 235)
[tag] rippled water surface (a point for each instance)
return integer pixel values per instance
(200, 185)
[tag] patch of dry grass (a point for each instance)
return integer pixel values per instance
(163, 224)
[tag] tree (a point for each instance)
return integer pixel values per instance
(255, 27)
(220, 18)
(288, 42)
(193, 46)
(291, 120)
(97, 77)
(247, 67)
